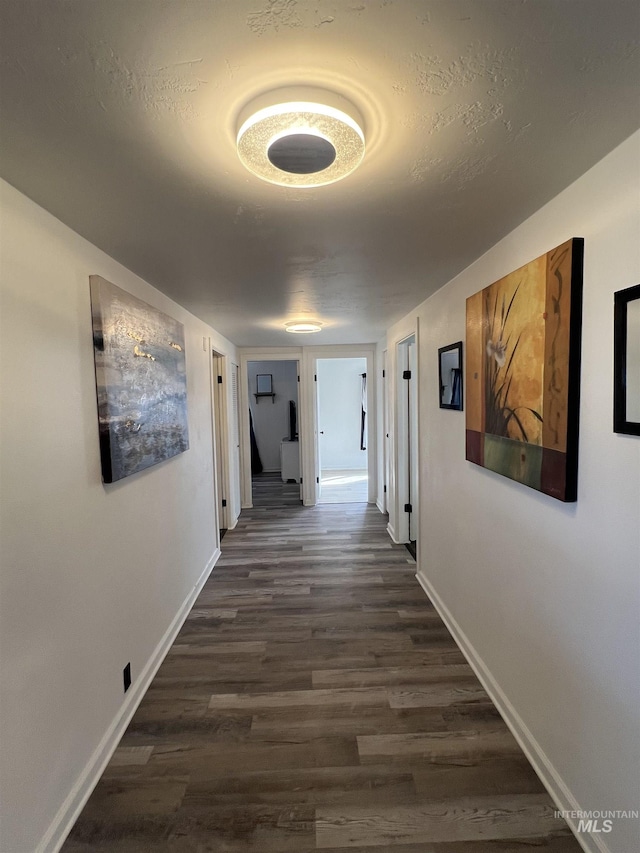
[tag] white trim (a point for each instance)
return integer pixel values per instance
(310, 465)
(69, 811)
(227, 481)
(394, 501)
(392, 533)
(406, 451)
(548, 775)
(270, 354)
(246, 355)
(218, 441)
(383, 428)
(235, 427)
(341, 350)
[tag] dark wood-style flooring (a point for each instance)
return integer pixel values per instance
(314, 700)
(268, 490)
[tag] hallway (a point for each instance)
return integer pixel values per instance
(314, 700)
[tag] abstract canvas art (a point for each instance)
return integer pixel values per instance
(140, 379)
(523, 373)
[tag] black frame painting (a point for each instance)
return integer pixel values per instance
(264, 384)
(450, 376)
(141, 382)
(623, 364)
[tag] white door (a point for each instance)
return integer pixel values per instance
(407, 441)
(319, 433)
(413, 440)
(385, 435)
(235, 437)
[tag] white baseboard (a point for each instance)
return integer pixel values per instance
(72, 806)
(548, 775)
(392, 533)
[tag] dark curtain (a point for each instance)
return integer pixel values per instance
(455, 386)
(363, 414)
(256, 462)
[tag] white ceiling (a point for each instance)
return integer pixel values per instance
(119, 116)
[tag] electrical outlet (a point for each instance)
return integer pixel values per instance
(126, 675)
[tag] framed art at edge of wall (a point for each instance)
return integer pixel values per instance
(141, 382)
(450, 376)
(626, 361)
(523, 373)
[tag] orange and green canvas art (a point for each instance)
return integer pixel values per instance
(523, 373)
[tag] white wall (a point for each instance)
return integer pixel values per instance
(339, 413)
(93, 576)
(546, 596)
(271, 418)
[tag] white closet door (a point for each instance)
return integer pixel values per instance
(235, 439)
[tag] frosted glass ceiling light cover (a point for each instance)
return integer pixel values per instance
(300, 137)
(303, 327)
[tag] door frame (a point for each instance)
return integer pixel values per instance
(221, 454)
(234, 368)
(383, 485)
(226, 483)
(403, 453)
(310, 400)
(397, 526)
(264, 354)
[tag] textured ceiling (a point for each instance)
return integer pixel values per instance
(119, 116)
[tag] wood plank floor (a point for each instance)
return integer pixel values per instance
(343, 486)
(268, 490)
(314, 700)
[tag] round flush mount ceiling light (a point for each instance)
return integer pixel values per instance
(300, 137)
(303, 327)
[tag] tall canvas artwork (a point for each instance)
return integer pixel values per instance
(523, 373)
(141, 382)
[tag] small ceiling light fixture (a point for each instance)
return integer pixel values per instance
(303, 327)
(300, 137)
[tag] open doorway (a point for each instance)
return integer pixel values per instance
(407, 442)
(383, 500)
(342, 430)
(220, 442)
(273, 432)
(226, 441)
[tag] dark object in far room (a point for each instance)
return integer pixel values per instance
(256, 462)
(293, 421)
